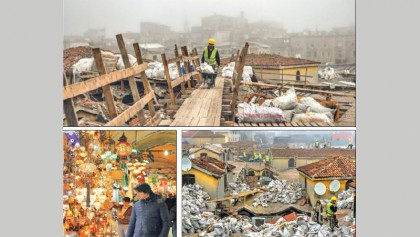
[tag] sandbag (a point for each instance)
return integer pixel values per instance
(259, 114)
(286, 101)
(288, 115)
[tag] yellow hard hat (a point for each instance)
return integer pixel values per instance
(333, 198)
(212, 41)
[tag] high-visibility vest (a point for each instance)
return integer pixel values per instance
(267, 158)
(329, 211)
(212, 59)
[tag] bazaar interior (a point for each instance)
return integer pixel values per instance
(102, 167)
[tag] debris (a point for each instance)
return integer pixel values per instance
(280, 191)
(287, 101)
(259, 114)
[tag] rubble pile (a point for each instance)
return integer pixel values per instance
(73, 55)
(280, 191)
(284, 108)
(300, 227)
(238, 187)
(345, 200)
(328, 73)
(194, 215)
(247, 73)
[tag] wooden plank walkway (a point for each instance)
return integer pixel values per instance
(202, 108)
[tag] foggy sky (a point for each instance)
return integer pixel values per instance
(121, 16)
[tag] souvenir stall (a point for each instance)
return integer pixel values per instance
(102, 167)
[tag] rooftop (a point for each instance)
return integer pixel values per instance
(312, 152)
(212, 165)
(201, 134)
(271, 60)
(334, 167)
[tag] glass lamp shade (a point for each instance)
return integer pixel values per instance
(87, 168)
(97, 205)
(84, 205)
(93, 198)
(91, 215)
(80, 198)
(66, 207)
(102, 198)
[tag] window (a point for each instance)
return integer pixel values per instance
(298, 75)
(188, 179)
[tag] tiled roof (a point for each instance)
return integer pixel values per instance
(312, 152)
(270, 60)
(214, 148)
(201, 134)
(337, 167)
(212, 165)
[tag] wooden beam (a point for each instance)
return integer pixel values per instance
(130, 112)
(69, 109)
(178, 81)
(79, 88)
(109, 98)
(186, 64)
(145, 81)
(297, 89)
(178, 64)
(131, 80)
(238, 79)
(168, 79)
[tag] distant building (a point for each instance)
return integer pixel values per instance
(325, 171)
(337, 46)
(213, 151)
(71, 41)
(269, 68)
(342, 140)
(95, 35)
(202, 138)
(213, 175)
(289, 158)
(152, 51)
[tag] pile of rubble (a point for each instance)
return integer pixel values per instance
(345, 200)
(238, 187)
(194, 215)
(300, 227)
(280, 191)
(284, 108)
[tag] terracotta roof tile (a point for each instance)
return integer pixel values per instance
(201, 134)
(312, 152)
(212, 165)
(331, 167)
(256, 60)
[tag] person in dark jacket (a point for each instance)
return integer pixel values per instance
(123, 218)
(150, 216)
(172, 217)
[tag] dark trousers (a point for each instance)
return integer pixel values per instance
(332, 221)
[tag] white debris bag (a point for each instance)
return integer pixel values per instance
(84, 64)
(206, 68)
(312, 117)
(259, 114)
(287, 101)
(120, 63)
(314, 105)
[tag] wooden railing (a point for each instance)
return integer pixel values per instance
(104, 81)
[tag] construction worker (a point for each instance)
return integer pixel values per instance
(211, 55)
(330, 211)
(267, 159)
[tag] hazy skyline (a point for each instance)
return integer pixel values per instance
(121, 16)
